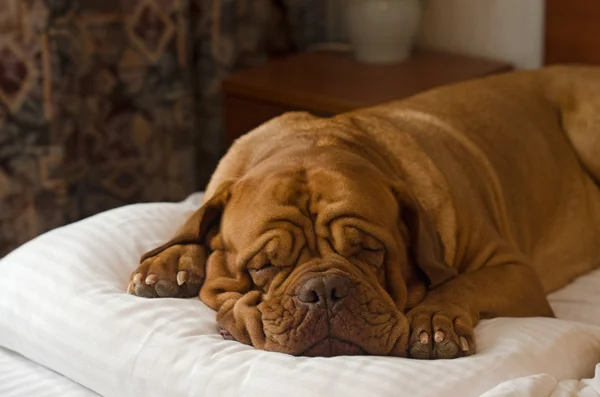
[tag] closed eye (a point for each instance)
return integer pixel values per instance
(374, 257)
(264, 274)
(268, 267)
(354, 242)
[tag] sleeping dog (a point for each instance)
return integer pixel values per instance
(393, 230)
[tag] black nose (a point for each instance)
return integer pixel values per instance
(326, 289)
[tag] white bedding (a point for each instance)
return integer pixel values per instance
(20, 377)
(62, 305)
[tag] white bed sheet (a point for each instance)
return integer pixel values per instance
(62, 304)
(20, 377)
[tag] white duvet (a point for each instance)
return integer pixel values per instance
(63, 305)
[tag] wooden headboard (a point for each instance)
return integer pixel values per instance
(572, 31)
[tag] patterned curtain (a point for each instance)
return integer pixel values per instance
(249, 33)
(110, 102)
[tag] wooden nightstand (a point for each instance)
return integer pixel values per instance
(326, 83)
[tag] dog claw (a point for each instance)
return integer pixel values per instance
(130, 288)
(151, 279)
(439, 336)
(464, 345)
(424, 338)
(137, 278)
(182, 277)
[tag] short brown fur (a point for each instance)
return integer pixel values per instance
(393, 230)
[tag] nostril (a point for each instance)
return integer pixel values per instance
(312, 297)
(335, 296)
(312, 291)
(339, 289)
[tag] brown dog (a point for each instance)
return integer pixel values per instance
(393, 230)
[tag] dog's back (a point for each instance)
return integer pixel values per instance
(519, 153)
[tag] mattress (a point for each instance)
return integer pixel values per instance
(63, 306)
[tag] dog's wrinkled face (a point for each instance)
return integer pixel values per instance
(311, 258)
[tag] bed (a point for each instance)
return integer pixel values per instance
(68, 329)
(63, 308)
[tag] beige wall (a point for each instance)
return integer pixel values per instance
(510, 30)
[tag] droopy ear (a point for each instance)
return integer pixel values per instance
(425, 245)
(197, 227)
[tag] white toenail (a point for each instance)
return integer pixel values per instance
(151, 279)
(439, 336)
(137, 278)
(182, 277)
(464, 345)
(424, 337)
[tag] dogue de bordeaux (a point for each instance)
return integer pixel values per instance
(393, 230)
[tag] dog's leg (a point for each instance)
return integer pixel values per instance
(442, 324)
(176, 268)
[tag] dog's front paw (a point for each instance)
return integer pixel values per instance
(440, 331)
(176, 272)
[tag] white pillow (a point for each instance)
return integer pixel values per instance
(63, 304)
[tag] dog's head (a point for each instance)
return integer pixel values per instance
(316, 252)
